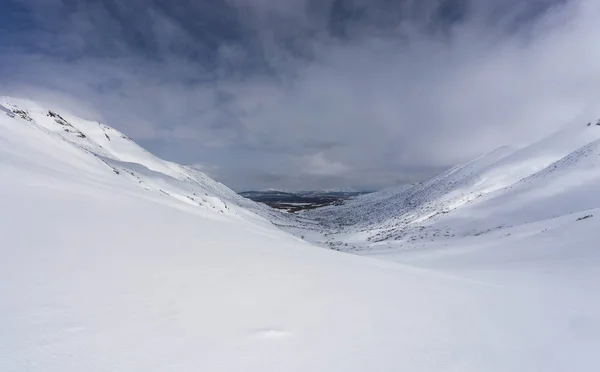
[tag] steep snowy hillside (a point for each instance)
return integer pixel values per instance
(104, 148)
(569, 186)
(458, 202)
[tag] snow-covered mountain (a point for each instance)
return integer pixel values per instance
(100, 150)
(113, 259)
(506, 187)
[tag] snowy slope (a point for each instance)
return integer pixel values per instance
(457, 202)
(555, 262)
(103, 271)
(96, 143)
(568, 186)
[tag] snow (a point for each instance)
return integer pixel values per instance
(115, 260)
(507, 187)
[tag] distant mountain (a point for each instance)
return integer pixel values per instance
(347, 192)
(267, 193)
(332, 190)
(308, 193)
(296, 201)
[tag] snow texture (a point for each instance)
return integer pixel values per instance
(115, 260)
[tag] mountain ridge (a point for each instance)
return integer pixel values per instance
(417, 213)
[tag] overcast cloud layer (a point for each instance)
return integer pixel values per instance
(304, 94)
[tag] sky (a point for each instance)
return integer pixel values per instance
(310, 94)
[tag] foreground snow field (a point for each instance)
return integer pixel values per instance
(114, 260)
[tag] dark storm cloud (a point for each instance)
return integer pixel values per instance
(310, 93)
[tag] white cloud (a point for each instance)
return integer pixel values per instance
(318, 164)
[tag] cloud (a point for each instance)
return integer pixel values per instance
(304, 94)
(319, 165)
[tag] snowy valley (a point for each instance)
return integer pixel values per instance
(116, 260)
